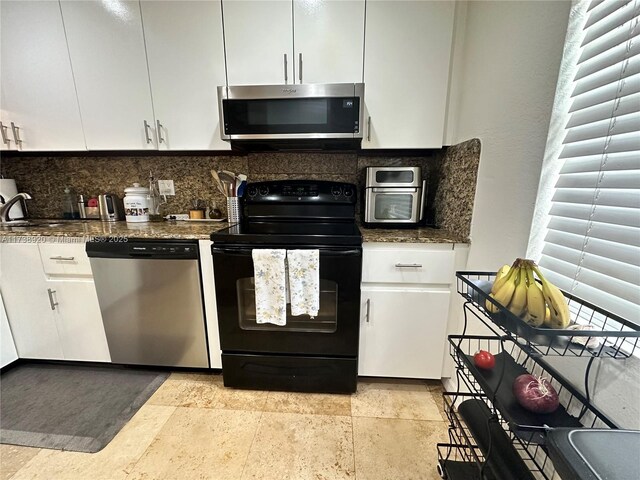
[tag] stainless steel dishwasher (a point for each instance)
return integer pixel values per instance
(151, 302)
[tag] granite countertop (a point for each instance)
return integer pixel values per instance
(89, 229)
(95, 228)
(410, 235)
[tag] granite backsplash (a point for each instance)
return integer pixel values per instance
(451, 174)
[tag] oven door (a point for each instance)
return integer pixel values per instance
(393, 205)
(333, 332)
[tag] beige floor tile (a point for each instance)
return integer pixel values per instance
(188, 390)
(291, 446)
(396, 449)
(315, 403)
(196, 377)
(113, 462)
(437, 389)
(395, 399)
(238, 399)
(13, 458)
(199, 443)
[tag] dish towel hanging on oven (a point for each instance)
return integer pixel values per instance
(304, 281)
(270, 278)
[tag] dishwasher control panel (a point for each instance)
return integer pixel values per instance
(166, 250)
(162, 249)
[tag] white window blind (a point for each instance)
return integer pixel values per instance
(592, 245)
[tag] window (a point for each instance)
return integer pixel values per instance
(586, 233)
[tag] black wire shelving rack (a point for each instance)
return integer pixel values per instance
(491, 437)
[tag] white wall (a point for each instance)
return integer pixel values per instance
(505, 70)
(505, 64)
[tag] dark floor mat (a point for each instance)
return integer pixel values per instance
(78, 408)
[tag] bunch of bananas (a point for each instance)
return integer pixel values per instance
(538, 304)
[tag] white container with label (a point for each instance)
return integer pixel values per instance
(136, 204)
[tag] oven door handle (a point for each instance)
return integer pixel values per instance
(394, 190)
(323, 253)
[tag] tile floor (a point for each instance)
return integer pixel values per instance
(194, 428)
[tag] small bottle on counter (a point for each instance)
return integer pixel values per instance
(82, 207)
(69, 205)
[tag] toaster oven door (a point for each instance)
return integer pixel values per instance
(392, 205)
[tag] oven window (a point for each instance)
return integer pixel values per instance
(325, 322)
(393, 206)
(394, 176)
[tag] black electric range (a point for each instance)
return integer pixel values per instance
(318, 354)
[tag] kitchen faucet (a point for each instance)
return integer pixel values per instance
(5, 205)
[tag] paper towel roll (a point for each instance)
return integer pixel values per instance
(8, 189)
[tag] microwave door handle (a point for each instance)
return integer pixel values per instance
(423, 199)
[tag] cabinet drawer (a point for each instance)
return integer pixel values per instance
(65, 259)
(407, 265)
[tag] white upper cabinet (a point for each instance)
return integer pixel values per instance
(106, 45)
(185, 52)
(38, 94)
(329, 36)
(259, 42)
(406, 72)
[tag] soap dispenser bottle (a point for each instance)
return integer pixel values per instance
(69, 205)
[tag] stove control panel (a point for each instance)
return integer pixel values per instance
(300, 191)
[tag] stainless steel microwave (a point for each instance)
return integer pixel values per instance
(394, 196)
(291, 112)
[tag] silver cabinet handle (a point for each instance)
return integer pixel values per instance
(408, 265)
(146, 132)
(286, 74)
(160, 127)
(16, 134)
(368, 310)
(369, 129)
(62, 258)
(300, 61)
(5, 139)
(52, 302)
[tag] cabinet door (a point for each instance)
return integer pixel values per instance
(186, 63)
(38, 93)
(79, 321)
(258, 35)
(406, 72)
(8, 353)
(403, 332)
(107, 52)
(24, 290)
(330, 37)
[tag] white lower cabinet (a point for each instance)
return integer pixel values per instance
(79, 321)
(8, 353)
(24, 290)
(404, 309)
(402, 332)
(53, 316)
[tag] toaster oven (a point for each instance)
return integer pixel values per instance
(394, 196)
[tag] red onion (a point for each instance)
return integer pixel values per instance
(535, 394)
